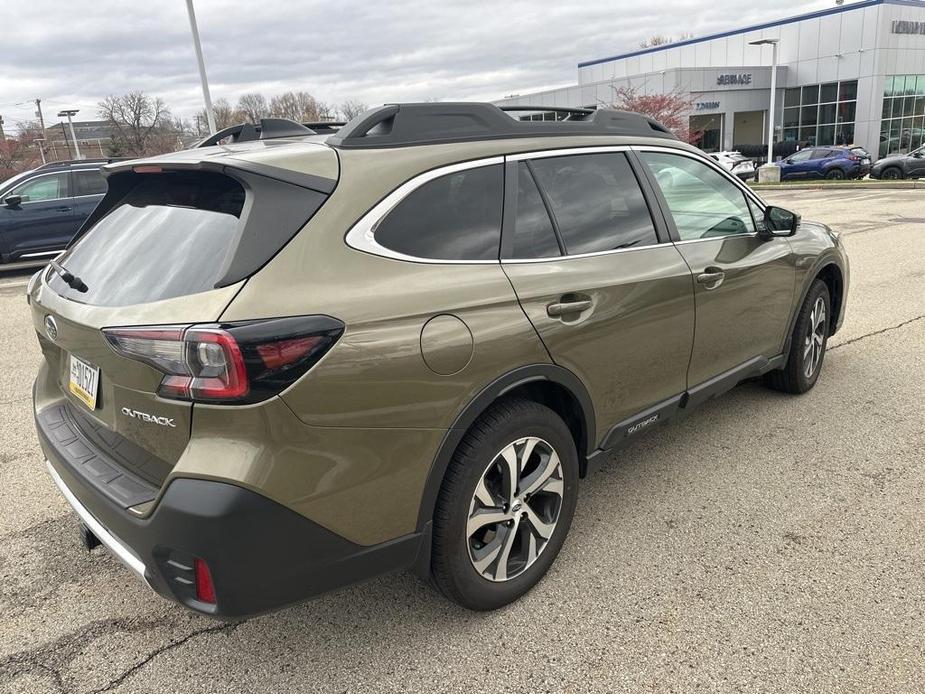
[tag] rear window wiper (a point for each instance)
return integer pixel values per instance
(70, 279)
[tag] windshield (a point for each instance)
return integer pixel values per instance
(169, 236)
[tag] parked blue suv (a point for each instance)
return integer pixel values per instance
(40, 210)
(825, 162)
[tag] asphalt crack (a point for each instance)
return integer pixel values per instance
(876, 332)
(53, 657)
(163, 649)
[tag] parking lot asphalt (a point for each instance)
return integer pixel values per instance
(763, 543)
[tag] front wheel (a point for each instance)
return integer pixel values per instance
(892, 173)
(807, 344)
(505, 506)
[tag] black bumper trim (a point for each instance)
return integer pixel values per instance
(261, 554)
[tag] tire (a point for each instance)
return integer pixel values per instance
(476, 484)
(797, 376)
(835, 175)
(892, 173)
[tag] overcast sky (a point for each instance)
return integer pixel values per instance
(73, 53)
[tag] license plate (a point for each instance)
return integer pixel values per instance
(83, 381)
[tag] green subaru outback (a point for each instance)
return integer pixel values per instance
(286, 363)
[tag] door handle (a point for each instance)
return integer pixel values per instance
(563, 308)
(63, 209)
(712, 277)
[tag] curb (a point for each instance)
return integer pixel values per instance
(891, 185)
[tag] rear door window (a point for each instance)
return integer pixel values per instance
(596, 202)
(534, 235)
(89, 183)
(453, 217)
(169, 236)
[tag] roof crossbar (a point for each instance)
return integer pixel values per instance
(269, 128)
(402, 125)
(325, 127)
(549, 109)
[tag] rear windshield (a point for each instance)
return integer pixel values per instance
(171, 235)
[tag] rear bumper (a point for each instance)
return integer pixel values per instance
(261, 555)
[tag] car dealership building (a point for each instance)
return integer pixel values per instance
(850, 74)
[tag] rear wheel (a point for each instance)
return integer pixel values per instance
(807, 344)
(835, 175)
(892, 173)
(505, 506)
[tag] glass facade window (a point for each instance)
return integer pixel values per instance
(820, 114)
(902, 128)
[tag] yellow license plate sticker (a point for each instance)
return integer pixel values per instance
(84, 381)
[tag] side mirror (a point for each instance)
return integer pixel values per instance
(780, 222)
(12, 201)
(917, 154)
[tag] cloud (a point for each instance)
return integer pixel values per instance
(73, 54)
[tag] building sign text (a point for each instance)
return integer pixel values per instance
(902, 26)
(706, 105)
(724, 80)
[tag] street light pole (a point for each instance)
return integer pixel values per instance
(773, 99)
(772, 169)
(70, 123)
(206, 97)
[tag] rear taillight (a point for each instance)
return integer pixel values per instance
(229, 362)
(205, 589)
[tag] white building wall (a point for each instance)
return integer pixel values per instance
(855, 43)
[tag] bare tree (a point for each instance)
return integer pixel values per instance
(253, 107)
(140, 124)
(298, 106)
(352, 108)
(662, 40)
(20, 152)
(224, 113)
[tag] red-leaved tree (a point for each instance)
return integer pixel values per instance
(671, 109)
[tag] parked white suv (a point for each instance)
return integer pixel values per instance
(736, 163)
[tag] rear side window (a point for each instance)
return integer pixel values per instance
(170, 235)
(89, 183)
(534, 235)
(453, 217)
(596, 202)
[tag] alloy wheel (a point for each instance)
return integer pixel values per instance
(815, 338)
(514, 509)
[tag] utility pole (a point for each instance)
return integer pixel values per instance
(69, 113)
(40, 141)
(2, 135)
(206, 97)
(66, 141)
(38, 112)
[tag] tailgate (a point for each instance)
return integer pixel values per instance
(142, 431)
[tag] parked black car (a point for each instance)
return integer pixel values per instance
(898, 166)
(41, 209)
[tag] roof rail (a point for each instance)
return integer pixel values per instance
(401, 125)
(269, 128)
(70, 162)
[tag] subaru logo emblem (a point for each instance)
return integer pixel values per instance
(51, 328)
